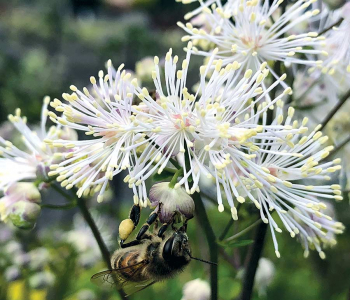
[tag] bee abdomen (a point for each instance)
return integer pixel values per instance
(125, 263)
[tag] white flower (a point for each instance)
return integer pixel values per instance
(314, 239)
(105, 113)
(196, 289)
(338, 46)
(209, 126)
(253, 38)
(275, 183)
(206, 4)
(265, 274)
(16, 164)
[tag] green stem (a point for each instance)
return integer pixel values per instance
(95, 231)
(304, 94)
(331, 26)
(103, 248)
(330, 115)
(212, 245)
(237, 235)
(248, 281)
(227, 228)
(340, 146)
(175, 163)
(170, 170)
(175, 177)
(89, 220)
(59, 190)
(53, 206)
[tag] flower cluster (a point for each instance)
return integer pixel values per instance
(232, 128)
(252, 32)
(222, 131)
(20, 201)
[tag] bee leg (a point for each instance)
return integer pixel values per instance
(151, 219)
(135, 214)
(162, 229)
(127, 226)
(183, 228)
(130, 244)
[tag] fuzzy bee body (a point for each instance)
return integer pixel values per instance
(154, 259)
(150, 251)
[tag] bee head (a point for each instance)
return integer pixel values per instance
(177, 250)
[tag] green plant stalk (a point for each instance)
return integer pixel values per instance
(237, 235)
(202, 217)
(330, 115)
(175, 177)
(248, 281)
(63, 207)
(91, 223)
(331, 26)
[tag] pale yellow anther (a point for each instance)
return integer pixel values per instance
(287, 184)
(322, 140)
(93, 80)
(337, 161)
(252, 17)
(240, 199)
(248, 73)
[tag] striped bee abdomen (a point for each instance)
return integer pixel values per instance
(128, 264)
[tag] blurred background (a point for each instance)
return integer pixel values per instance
(45, 46)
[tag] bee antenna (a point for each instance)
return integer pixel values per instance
(202, 260)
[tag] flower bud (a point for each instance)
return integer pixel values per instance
(25, 191)
(24, 214)
(20, 204)
(196, 290)
(173, 201)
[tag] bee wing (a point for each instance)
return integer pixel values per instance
(114, 278)
(134, 287)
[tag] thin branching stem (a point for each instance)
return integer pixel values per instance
(91, 223)
(335, 109)
(331, 26)
(250, 227)
(202, 216)
(58, 207)
(341, 145)
(256, 252)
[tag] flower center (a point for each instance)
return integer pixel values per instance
(181, 121)
(252, 43)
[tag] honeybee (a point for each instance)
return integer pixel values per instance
(150, 258)
(153, 259)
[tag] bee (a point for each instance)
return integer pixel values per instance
(150, 258)
(154, 259)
